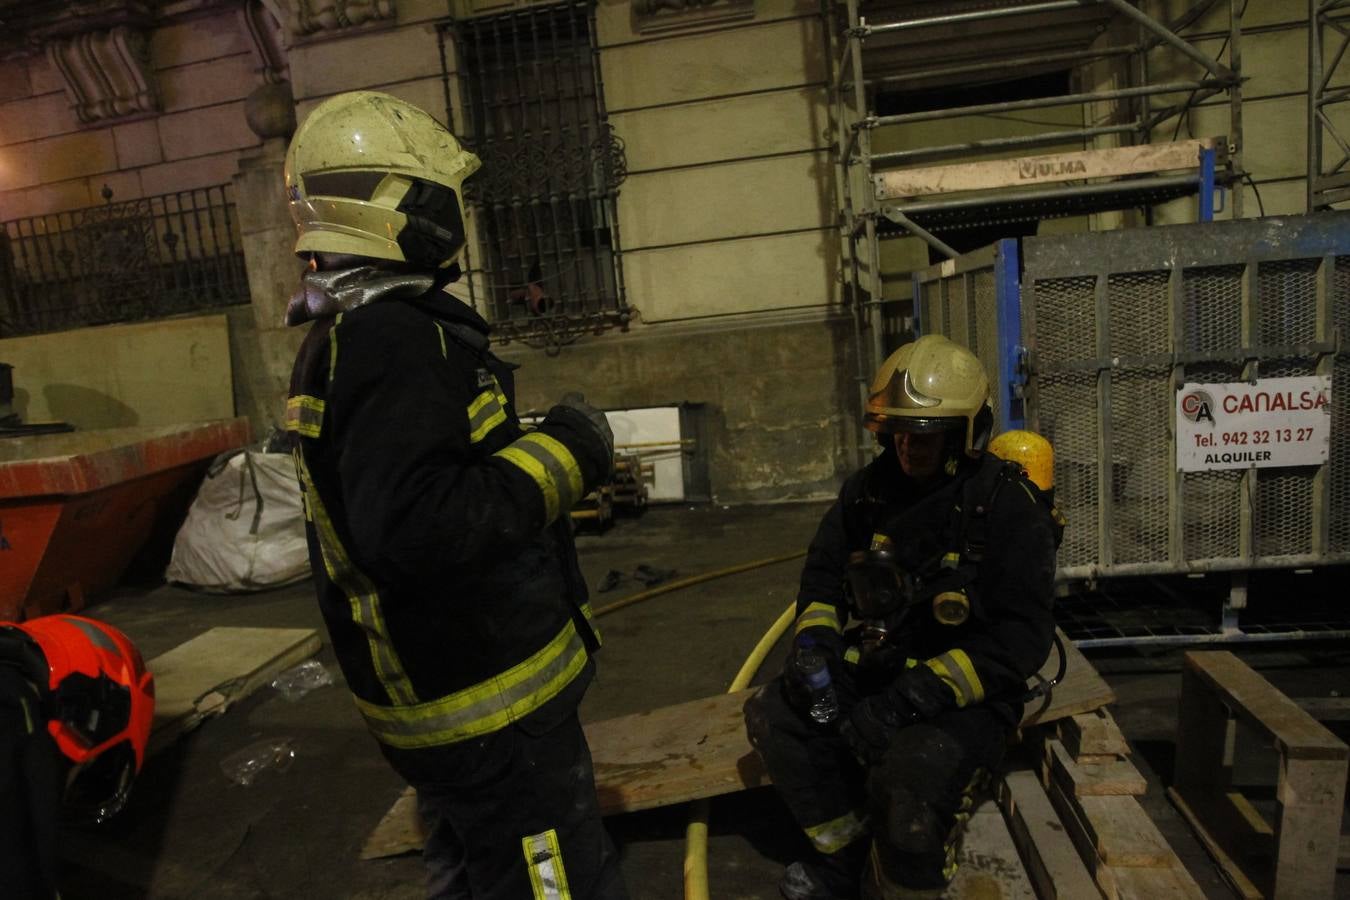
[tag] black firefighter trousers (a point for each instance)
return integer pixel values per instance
(513, 815)
(915, 802)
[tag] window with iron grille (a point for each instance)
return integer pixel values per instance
(548, 252)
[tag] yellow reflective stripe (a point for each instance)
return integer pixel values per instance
(955, 668)
(590, 620)
(485, 707)
(818, 615)
(445, 354)
(543, 857)
(852, 654)
(552, 467)
(360, 591)
(304, 415)
(836, 834)
(486, 412)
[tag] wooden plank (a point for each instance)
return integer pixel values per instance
(1172, 883)
(989, 868)
(1051, 860)
(1045, 169)
(1297, 734)
(216, 669)
(1115, 829)
(400, 831)
(699, 749)
(1093, 734)
(1081, 691)
(1228, 866)
(674, 754)
(1117, 778)
(1311, 801)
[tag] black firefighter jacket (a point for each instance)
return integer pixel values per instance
(437, 526)
(987, 531)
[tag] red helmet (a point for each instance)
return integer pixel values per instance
(102, 701)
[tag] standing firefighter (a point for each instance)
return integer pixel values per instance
(945, 555)
(438, 535)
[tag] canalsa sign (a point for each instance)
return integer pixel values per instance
(1241, 425)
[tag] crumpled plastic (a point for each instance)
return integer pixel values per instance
(298, 681)
(244, 766)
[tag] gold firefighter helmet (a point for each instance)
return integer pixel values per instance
(931, 384)
(371, 175)
(1029, 450)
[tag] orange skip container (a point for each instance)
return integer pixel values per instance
(75, 508)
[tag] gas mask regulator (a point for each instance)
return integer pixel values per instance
(882, 594)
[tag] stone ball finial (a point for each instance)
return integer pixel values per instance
(270, 110)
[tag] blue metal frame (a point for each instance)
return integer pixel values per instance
(1207, 185)
(1008, 297)
(917, 293)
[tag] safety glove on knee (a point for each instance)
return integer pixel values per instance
(870, 727)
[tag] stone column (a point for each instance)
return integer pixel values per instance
(263, 348)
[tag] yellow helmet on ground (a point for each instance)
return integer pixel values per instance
(371, 175)
(931, 384)
(1032, 452)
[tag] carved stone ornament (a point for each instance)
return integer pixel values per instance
(106, 73)
(672, 15)
(310, 16)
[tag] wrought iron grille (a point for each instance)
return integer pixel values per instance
(544, 201)
(121, 262)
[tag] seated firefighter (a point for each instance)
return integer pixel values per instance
(946, 556)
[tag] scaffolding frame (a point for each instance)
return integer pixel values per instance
(1327, 184)
(866, 221)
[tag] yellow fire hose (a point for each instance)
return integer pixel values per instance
(696, 833)
(693, 580)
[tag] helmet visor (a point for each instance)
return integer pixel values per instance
(884, 424)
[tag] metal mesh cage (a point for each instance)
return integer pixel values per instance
(984, 336)
(1288, 301)
(1069, 421)
(958, 310)
(1255, 299)
(1137, 306)
(1066, 317)
(1140, 462)
(1338, 488)
(1212, 309)
(1282, 513)
(1211, 502)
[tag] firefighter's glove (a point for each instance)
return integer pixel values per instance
(818, 639)
(915, 695)
(874, 722)
(573, 410)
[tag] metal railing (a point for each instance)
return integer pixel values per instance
(121, 262)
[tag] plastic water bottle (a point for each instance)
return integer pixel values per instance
(823, 703)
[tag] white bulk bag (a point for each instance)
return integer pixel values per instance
(245, 530)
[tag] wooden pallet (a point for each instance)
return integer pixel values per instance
(1296, 857)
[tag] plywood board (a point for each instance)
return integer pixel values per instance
(1046, 169)
(215, 670)
(699, 749)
